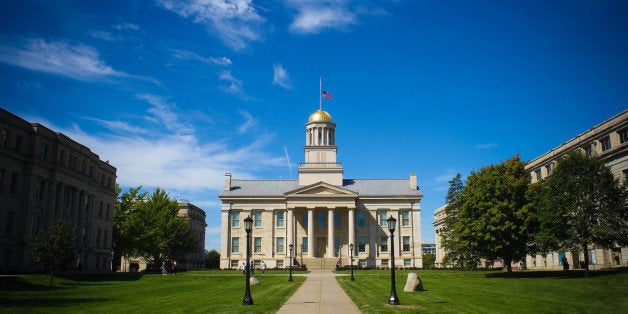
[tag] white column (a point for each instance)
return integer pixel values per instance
(289, 228)
(330, 232)
(311, 240)
(351, 227)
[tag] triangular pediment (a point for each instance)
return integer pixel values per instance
(321, 189)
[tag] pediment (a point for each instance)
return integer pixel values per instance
(320, 189)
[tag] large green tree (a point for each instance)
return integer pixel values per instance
(150, 227)
(492, 212)
(582, 205)
(54, 248)
(212, 259)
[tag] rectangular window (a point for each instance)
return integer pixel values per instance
(107, 211)
(336, 220)
(40, 192)
(321, 219)
(548, 169)
(257, 245)
(279, 264)
(2, 171)
(361, 244)
(34, 226)
(407, 262)
(235, 245)
(100, 209)
(362, 263)
(405, 218)
(8, 226)
(361, 219)
(102, 179)
(623, 136)
(43, 152)
(280, 219)
(406, 244)
(280, 245)
(235, 219)
(258, 219)
(383, 242)
(538, 174)
(98, 238)
(606, 143)
(5, 137)
(382, 218)
(18, 144)
(105, 240)
(336, 245)
(589, 150)
(14, 180)
(305, 220)
(234, 264)
(592, 259)
(304, 243)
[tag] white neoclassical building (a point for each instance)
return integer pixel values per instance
(321, 213)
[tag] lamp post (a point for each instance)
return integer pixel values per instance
(351, 258)
(290, 248)
(248, 225)
(393, 299)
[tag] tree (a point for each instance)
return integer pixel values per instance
(212, 259)
(123, 234)
(492, 212)
(55, 248)
(583, 204)
(458, 254)
(428, 260)
(151, 228)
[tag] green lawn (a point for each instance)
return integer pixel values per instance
(222, 292)
(491, 291)
(197, 291)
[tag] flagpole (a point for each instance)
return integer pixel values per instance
(320, 95)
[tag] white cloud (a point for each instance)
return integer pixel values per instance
(235, 22)
(103, 35)
(249, 122)
(126, 26)
(120, 126)
(447, 176)
(77, 61)
(189, 55)
(234, 85)
(281, 77)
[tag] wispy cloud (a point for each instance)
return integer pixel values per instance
(249, 122)
(189, 55)
(235, 22)
(314, 16)
(120, 126)
(281, 77)
(234, 85)
(447, 176)
(486, 146)
(104, 35)
(126, 26)
(164, 114)
(77, 61)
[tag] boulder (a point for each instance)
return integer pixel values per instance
(413, 283)
(253, 281)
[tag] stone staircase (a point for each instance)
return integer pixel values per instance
(320, 263)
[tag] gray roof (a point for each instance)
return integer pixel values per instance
(363, 187)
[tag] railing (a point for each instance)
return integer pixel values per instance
(320, 165)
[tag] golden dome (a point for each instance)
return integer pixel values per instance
(320, 116)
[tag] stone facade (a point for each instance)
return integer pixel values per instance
(197, 225)
(46, 176)
(321, 213)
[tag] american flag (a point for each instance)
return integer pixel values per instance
(327, 95)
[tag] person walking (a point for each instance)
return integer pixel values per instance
(263, 268)
(164, 269)
(174, 267)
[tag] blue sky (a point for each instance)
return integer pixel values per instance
(176, 93)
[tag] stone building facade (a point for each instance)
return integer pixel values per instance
(197, 225)
(321, 214)
(46, 176)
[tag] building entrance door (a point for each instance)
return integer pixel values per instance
(321, 246)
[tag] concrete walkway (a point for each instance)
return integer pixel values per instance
(320, 293)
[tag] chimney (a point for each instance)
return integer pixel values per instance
(227, 186)
(413, 183)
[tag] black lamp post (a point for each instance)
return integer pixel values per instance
(248, 225)
(351, 257)
(290, 248)
(393, 299)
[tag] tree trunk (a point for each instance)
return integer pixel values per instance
(585, 248)
(508, 263)
(52, 272)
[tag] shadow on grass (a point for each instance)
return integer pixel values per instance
(101, 276)
(15, 283)
(556, 274)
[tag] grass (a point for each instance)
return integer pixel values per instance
(186, 292)
(491, 291)
(222, 292)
